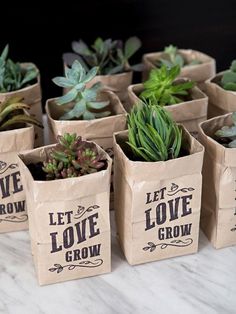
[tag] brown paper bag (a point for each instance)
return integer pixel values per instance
(13, 214)
(157, 204)
(198, 73)
(189, 113)
(32, 96)
(221, 101)
(218, 219)
(68, 222)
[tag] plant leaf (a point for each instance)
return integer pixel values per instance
(132, 45)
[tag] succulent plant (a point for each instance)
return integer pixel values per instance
(227, 134)
(161, 88)
(72, 157)
(85, 103)
(171, 57)
(228, 80)
(13, 114)
(110, 56)
(12, 75)
(153, 135)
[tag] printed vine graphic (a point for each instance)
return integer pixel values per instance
(15, 219)
(178, 243)
(58, 268)
(82, 210)
(175, 189)
(4, 167)
(233, 229)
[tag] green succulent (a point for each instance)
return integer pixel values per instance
(72, 157)
(227, 134)
(153, 135)
(161, 89)
(12, 75)
(172, 57)
(85, 103)
(110, 56)
(228, 80)
(13, 113)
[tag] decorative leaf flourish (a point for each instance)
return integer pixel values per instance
(178, 243)
(15, 219)
(82, 210)
(58, 268)
(175, 189)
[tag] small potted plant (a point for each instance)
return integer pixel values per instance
(195, 65)
(218, 218)
(186, 102)
(221, 90)
(157, 181)
(111, 57)
(67, 191)
(16, 134)
(88, 111)
(22, 80)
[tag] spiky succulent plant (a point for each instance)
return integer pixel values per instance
(162, 89)
(84, 99)
(228, 80)
(72, 157)
(12, 75)
(153, 135)
(227, 134)
(13, 114)
(110, 56)
(171, 57)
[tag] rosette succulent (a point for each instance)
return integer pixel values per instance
(227, 134)
(13, 76)
(153, 134)
(228, 80)
(13, 113)
(162, 89)
(83, 99)
(110, 56)
(72, 157)
(171, 57)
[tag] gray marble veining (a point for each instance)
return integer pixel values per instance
(194, 284)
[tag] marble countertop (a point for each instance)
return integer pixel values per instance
(201, 283)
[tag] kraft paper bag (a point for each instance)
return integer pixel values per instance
(157, 204)
(117, 83)
(221, 101)
(13, 213)
(32, 96)
(198, 73)
(218, 219)
(69, 222)
(189, 113)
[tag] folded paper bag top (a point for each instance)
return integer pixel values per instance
(218, 219)
(144, 191)
(221, 101)
(189, 113)
(42, 190)
(198, 73)
(98, 130)
(69, 222)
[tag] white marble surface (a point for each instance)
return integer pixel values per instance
(201, 283)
